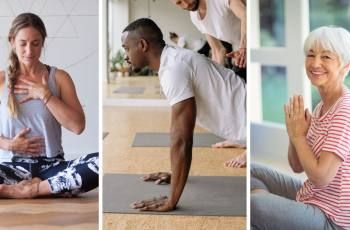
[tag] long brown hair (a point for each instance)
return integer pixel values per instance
(24, 20)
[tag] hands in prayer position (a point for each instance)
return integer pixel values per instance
(297, 118)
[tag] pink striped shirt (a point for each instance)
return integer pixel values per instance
(331, 132)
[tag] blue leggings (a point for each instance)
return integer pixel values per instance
(64, 177)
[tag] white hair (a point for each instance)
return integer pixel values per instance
(331, 38)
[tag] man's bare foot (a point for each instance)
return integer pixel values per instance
(22, 190)
(158, 178)
(226, 144)
(238, 162)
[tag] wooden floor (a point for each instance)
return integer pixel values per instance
(119, 157)
(54, 213)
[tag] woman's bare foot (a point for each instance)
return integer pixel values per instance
(22, 190)
(226, 144)
(238, 162)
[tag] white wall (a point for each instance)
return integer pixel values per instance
(118, 14)
(72, 45)
(167, 16)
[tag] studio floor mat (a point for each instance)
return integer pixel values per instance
(130, 90)
(202, 196)
(163, 140)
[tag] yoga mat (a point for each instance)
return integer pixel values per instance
(202, 196)
(163, 140)
(130, 90)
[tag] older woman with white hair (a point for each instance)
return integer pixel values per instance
(319, 145)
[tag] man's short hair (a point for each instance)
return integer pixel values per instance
(147, 29)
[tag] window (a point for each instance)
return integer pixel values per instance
(272, 32)
(274, 92)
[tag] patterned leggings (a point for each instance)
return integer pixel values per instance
(64, 177)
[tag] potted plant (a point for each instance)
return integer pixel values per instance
(118, 63)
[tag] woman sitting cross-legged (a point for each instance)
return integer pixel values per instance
(36, 101)
(319, 145)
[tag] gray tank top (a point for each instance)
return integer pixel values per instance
(32, 114)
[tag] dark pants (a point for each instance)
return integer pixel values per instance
(242, 72)
(72, 177)
(205, 49)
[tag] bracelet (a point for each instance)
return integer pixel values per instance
(47, 97)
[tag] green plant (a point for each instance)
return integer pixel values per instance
(117, 60)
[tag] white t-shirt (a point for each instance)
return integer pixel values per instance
(219, 22)
(192, 44)
(220, 94)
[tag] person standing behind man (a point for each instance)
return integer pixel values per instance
(221, 20)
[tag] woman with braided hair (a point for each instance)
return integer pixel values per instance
(36, 101)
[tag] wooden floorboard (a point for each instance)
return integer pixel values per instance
(50, 213)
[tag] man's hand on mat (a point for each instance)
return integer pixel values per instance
(22, 144)
(32, 89)
(159, 204)
(158, 178)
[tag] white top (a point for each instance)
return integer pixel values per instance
(219, 22)
(220, 94)
(192, 44)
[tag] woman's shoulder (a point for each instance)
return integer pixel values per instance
(62, 76)
(61, 72)
(345, 101)
(343, 107)
(63, 80)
